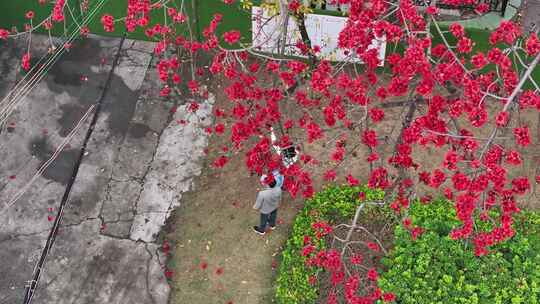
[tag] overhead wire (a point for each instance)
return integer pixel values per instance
(45, 165)
(13, 104)
(10, 101)
(35, 66)
(39, 267)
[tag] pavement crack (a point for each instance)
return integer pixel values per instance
(118, 220)
(21, 235)
(107, 198)
(116, 237)
(79, 222)
(148, 274)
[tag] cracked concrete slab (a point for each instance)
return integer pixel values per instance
(138, 163)
(87, 267)
(176, 163)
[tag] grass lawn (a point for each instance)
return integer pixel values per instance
(233, 18)
(116, 8)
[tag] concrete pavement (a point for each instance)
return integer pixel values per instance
(139, 161)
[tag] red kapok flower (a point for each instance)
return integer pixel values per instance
(432, 10)
(520, 185)
(373, 246)
(25, 62)
(389, 297)
(361, 195)
(372, 157)
(481, 8)
(219, 271)
(203, 265)
(372, 274)
(221, 161)
(369, 138)
(4, 34)
(522, 136)
(532, 46)
(352, 181)
(457, 30)
(108, 23)
(407, 222)
(219, 128)
(294, 5)
(479, 60)
(376, 114)
(513, 157)
(502, 119)
(330, 175)
(357, 259)
(231, 37)
(168, 274)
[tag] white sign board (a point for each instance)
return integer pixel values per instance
(322, 30)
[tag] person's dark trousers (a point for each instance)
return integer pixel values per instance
(269, 218)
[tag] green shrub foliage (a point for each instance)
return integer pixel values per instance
(434, 269)
(331, 205)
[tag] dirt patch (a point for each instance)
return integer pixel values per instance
(217, 258)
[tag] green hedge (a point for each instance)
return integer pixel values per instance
(436, 269)
(333, 204)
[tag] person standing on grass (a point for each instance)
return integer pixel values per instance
(268, 201)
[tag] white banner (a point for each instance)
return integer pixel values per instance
(322, 30)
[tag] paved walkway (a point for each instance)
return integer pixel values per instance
(139, 161)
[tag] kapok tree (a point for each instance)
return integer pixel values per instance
(464, 101)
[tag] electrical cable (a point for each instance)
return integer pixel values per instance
(13, 101)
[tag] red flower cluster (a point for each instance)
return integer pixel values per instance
(25, 62)
(522, 136)
(532, 46)
(321, 229)
(108, 23)
(232, 37)
(369, 138)
(58, 11)
(4, 34)
(507, 32)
